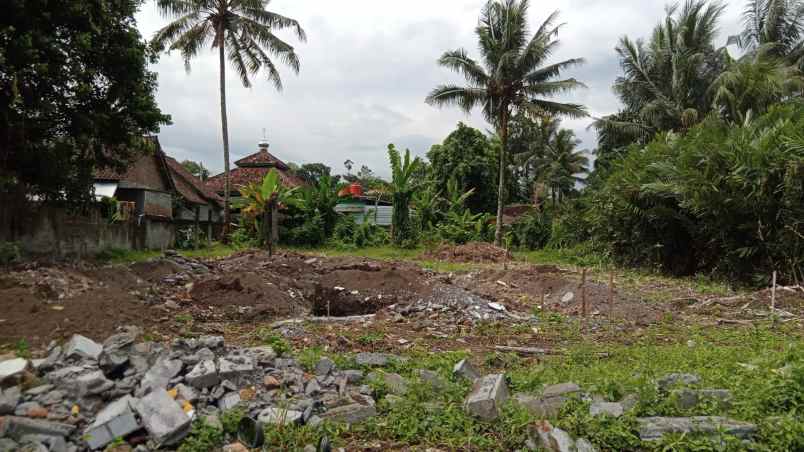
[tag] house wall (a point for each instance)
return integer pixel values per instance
(51, 230)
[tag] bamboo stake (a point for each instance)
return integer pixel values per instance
(773, 293)
(541, 302)
(611, 296)
(583, 292)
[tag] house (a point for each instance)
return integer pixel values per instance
(364, 206)
(162, 192)
(252, 169)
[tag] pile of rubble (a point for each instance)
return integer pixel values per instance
(85, 395)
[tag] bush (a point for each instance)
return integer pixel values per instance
(9, 252)
(463, 227)
(349, 233)
(311, 232)
(244, 237)
(723, 199)
(531, 231)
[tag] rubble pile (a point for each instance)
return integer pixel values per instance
(85, 395)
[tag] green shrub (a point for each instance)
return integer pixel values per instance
(9, 252)
(463, 227)
(721, 199)
(244, 237)
(349, 234)
(310, 232)
(531, 231)
(203, 437)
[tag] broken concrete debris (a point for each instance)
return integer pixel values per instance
(487, 398)
(82, 347)
(653, 428)
(162, 417)
(465, 369)
(12, 368)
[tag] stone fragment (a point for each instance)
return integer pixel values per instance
(8, 445)
(652, 428)
(686, 399)
(394, 383)
(235, 447)
(15, 427)
(203, 375)
(163, 418)
(488, 395)
(160, 374)
(39, 390)
(567, 297)
(374, 359)
(235, 367)
(312, 388)
(9, 398)
(561, 389)
(465, 369)
(184, 392)
(432, 379)
(92, 383)
(584, 445)
(43, 442)
(629, 401)
(229, 401)
(29, 408)
(279, 416)
(353, 377)
(539, 407)
(551, 438)
(270, 382)
(676, 379)
(115, 421)
(211, 342)
(285, 363)
(264, 354)
(115, 351)
(12, 368)
(324, 366)
(351, 414)
(610, 408)
(82, 347)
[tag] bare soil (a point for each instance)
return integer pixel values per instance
(240, 294)
(472, 252)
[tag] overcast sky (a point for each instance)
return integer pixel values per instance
(365, 70)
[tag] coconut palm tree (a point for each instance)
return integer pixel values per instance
(665, 81)
(510, 77)
(777, 25)
(240, 30)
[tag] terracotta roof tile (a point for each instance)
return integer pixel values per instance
(189, 186)
(243, 176)
(261, 158)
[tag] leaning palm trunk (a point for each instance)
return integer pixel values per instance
(225, 131)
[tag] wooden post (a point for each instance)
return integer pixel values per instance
(541, 302)
(611, 296)
(773, 294)
(583, 293)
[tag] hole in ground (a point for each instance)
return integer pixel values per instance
(342, 303)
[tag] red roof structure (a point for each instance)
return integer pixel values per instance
(253, 168)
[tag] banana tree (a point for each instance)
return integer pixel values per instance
(262, 201)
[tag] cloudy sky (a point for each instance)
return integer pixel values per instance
(365, 70)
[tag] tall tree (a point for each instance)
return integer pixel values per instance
(776, 25)
(75, 95)
(511, 76)
(466, 156)
(243, 31)
(665, 80)
(196, 169)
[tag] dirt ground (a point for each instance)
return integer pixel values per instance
(237, 295)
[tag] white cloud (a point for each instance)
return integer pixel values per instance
(365, 71)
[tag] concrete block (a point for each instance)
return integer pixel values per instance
(115, 421)
(229, 401)
(9, 399)
(465, 369)
(610, 408)
(82, 347)
(324, 366)
(279, 416)
(203, 375)
(163, 418)
(488, 395)
(374, 359)
(653, 428)
(561, 389)
(351, 414)
(235, 367)
(551, 438)
(12, 368)
(159, 375)
(92, 383)
(16, 427)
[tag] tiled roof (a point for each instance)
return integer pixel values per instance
(261, 158)
(190, 187)
(243, 176)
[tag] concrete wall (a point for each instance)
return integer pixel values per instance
(57, 232)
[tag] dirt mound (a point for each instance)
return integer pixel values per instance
(469, 252)
(155, 270)
(248, 290)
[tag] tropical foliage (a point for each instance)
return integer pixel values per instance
(402, 187)
(721, 198)
(242, 31)
(510, 77)
(262, 202)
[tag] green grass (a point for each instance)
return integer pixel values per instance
(216, 251)
(120, 256)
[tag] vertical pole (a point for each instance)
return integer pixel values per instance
(196, 226)
(773, 294)
(583, 293)
(611, 296)
(541, 302)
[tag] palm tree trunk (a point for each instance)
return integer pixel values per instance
(225, 130)
(501, 187)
